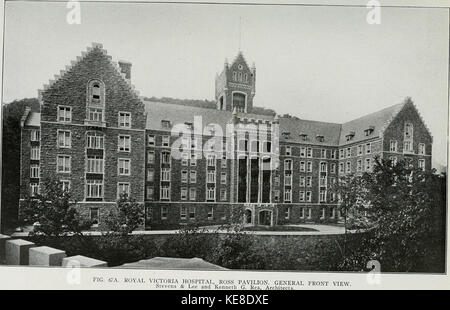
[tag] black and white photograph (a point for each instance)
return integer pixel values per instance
(225, 138)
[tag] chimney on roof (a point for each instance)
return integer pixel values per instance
(125, 68)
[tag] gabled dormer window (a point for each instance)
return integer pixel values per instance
(286, 134)
(303, 136)
(320, 138)
(350, 135)
(189, 125)
(165, 124)
(369, 131)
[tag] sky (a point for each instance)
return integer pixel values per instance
(315, 62)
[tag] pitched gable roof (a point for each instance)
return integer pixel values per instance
(378, 121)
(84, 54)
(313, 129)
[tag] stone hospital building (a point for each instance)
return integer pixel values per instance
(97, 136)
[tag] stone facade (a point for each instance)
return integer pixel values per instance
(304, 157)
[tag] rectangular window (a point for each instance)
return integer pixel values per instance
(34, 189)
(323, 153)
(309, 153)
(288, 179)
(302, 181)
(223, 178)
(267, 147)
(309, 213)
(63, 163)
(193, 160)
(393, 146)
(124, 120)
(64, 114)
(393, 160)
(323, 181)
(308, 196)
(211, 193)
(308, 181)
(288, 151)
(309, 166)
(368, 148)
(183, 193)
(223, 194)
(323, 167)
(94, 216)
(165, 140)
(407, 146)
(302, 151)
(150, 175)
(124, 144)
(210, 213)
(224, 163)
(287, 195)
(349, 152)
(211, 161)
(192, 177)
(95, 114)
(302, 166)
(359, 165)
(34, 171)
(301, 196)
(422, 164)
(94, 188)
(348, 167)
(184, 176)
(184, 159)
(64, 139)
(164, 212)
(94, 164)
(421, 149)
(341, 153)
(124, 166)
(332, 168)
(192, 193)
(367, 164)
(123, 188)
(341, 167)
(165, 192)
(151, 140)
(94, 140)
(150, 157)
(65, 185)
(287, 213)
(211, 176)
(276, 181)
(288, 164)
(150, 192)
(322, 196)
(35, 135)
(165, 158)
(183, 212)
(165, 174)
(322, 213)
(302, 213)
(192, 213)
(333, 154)
(360, 150)
(35, 153)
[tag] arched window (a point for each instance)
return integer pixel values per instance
(239, 102)
(240, 76)
(95, 105)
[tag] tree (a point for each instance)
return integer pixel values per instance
(12, 114)
(128, 216)
(52, 212)
(404, 213)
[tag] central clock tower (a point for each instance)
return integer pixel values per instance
(235, 86)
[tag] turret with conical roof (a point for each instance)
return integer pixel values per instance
(235, 86)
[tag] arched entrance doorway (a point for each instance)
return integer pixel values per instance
(265, 217)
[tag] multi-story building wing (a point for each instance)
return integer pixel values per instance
(200, 165)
